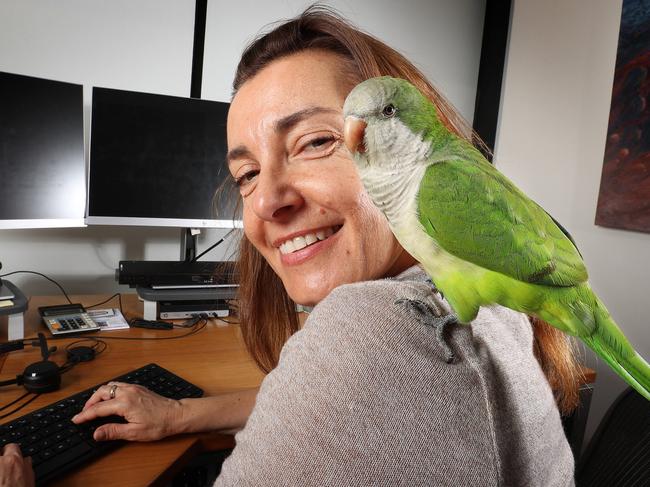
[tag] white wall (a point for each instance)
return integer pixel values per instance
(146, 45)
(551, 141)
(442, 37)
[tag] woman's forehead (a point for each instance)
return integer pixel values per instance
(308, 78)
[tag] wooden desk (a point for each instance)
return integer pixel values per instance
(213, 359)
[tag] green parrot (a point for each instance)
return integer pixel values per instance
(480, 238)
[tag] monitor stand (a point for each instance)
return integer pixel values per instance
(189, 240)
(14, 312)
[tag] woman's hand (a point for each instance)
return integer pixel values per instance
(15, 471)
(149, 416)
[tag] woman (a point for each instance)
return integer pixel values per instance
(363, 393)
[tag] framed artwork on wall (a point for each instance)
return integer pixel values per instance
(624, 197)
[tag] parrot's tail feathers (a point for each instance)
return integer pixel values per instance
(627, 373)
(611, 345)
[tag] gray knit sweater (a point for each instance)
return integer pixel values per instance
(362, 396)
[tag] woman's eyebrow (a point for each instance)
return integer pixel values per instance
(237, 153)
(287, 123)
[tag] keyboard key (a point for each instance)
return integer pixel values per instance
(33, 438)
(46, 454)
(30, 451)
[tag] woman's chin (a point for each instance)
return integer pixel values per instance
(306, 295)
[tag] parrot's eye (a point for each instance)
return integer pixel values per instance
(388, 111)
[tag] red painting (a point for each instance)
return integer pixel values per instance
(624, 198)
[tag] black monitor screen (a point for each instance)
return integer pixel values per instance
(158, 160)
(42, 168)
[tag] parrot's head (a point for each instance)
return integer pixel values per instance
(389, 125)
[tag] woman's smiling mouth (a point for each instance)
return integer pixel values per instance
(302, 241)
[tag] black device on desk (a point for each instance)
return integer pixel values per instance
(56, 444)
(67, 318)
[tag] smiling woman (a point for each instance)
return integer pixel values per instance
(370, 390)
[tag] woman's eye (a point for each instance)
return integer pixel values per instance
(246, 178)
(322, 145)
(320, 142)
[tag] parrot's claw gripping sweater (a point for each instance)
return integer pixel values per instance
(427, 316)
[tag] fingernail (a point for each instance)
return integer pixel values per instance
(99, 435)
(73, 418)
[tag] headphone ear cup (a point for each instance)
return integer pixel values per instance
(43, 376)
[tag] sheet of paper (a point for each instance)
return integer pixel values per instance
(108, 319)
(6, 302)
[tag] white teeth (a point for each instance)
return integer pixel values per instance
(299, 243)
(287, 247)
(303, 241)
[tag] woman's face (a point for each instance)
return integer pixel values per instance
(305, 209)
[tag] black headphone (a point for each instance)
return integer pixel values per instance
(45, 375)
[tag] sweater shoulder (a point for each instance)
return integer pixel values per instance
(377, 303)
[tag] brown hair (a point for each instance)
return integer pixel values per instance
(266, 311)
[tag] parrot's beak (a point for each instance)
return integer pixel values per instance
(353, 132)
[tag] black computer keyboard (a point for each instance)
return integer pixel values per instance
(56, 444)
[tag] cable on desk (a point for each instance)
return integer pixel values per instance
(226, 321)
(21, 406)
(203, 322)
(194, 330)
(42, 275)
(118, 295)
(96, 344)
(14, 401)
(19, 344)
(98, 347)
(119, 298)
(189, 323)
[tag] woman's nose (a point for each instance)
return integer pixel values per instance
(276, 197)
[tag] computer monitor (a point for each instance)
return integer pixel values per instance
(42, 168)
(158, 160)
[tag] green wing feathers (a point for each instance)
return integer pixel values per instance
(478, 215)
